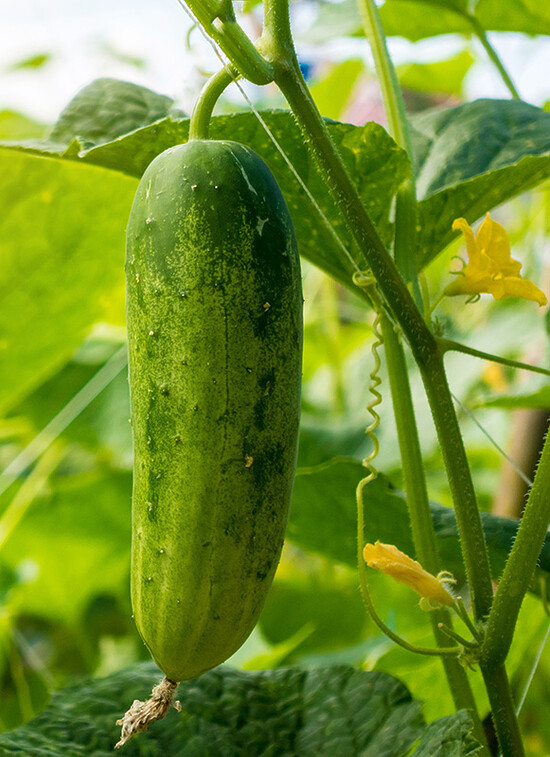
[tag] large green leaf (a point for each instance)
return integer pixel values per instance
(416, 19)
(472, 158)
(15, 125)
(228, 713)
(62, 249)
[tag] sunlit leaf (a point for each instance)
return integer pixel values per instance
(445, 76)
(62, 241)
(333, 91)
(418, 19)
(16, 126)
(33, 61)
(75, 543)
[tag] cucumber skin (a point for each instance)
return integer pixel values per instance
(214, 311)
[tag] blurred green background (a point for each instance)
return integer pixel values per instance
(65, 443)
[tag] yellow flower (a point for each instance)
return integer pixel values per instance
(390, 560)
(490, 267)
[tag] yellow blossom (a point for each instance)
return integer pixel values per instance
(490, 267)
(390, 560)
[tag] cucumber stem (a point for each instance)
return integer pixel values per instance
(207, 99)
(142, 714)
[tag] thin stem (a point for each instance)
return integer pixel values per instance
(206, 101)
(452, 634)
(463, 615)
(64, 418)
(503, 711)
(411, 456)
(479, 31)
(520, 566)
(29, 490)
(405, 208)
(448, 345)
(405, 258)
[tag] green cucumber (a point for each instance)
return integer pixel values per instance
(214, 309)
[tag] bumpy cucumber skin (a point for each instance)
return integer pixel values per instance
(214, 311)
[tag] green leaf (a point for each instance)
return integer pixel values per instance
(230, 713)
(449, 737)
(34, 61)
(443, 77)
(108, 108)
(102, 427)
(330, 488)
(332, 608)
(16, 126)
(333, 91)
(539, 399)
(461, 175)
(419, 19)
(62, 241)
(416, 20)
(375, 163)
(75, 545)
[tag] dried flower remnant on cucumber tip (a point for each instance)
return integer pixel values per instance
(142, 714)
(389, 560)
(491, 268)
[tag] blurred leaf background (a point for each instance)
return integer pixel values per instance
(65, 443)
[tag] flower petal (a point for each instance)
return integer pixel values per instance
(402, 568)
(492, 239)
(461, 224)
(491, 268)
(518, 287)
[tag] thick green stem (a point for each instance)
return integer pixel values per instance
(503, 711)
(218, 19)
(390, 283)
(472, 540)
(520, 567)
(206, 101)
(419, 510)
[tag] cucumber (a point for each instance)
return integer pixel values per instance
(214, 311)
